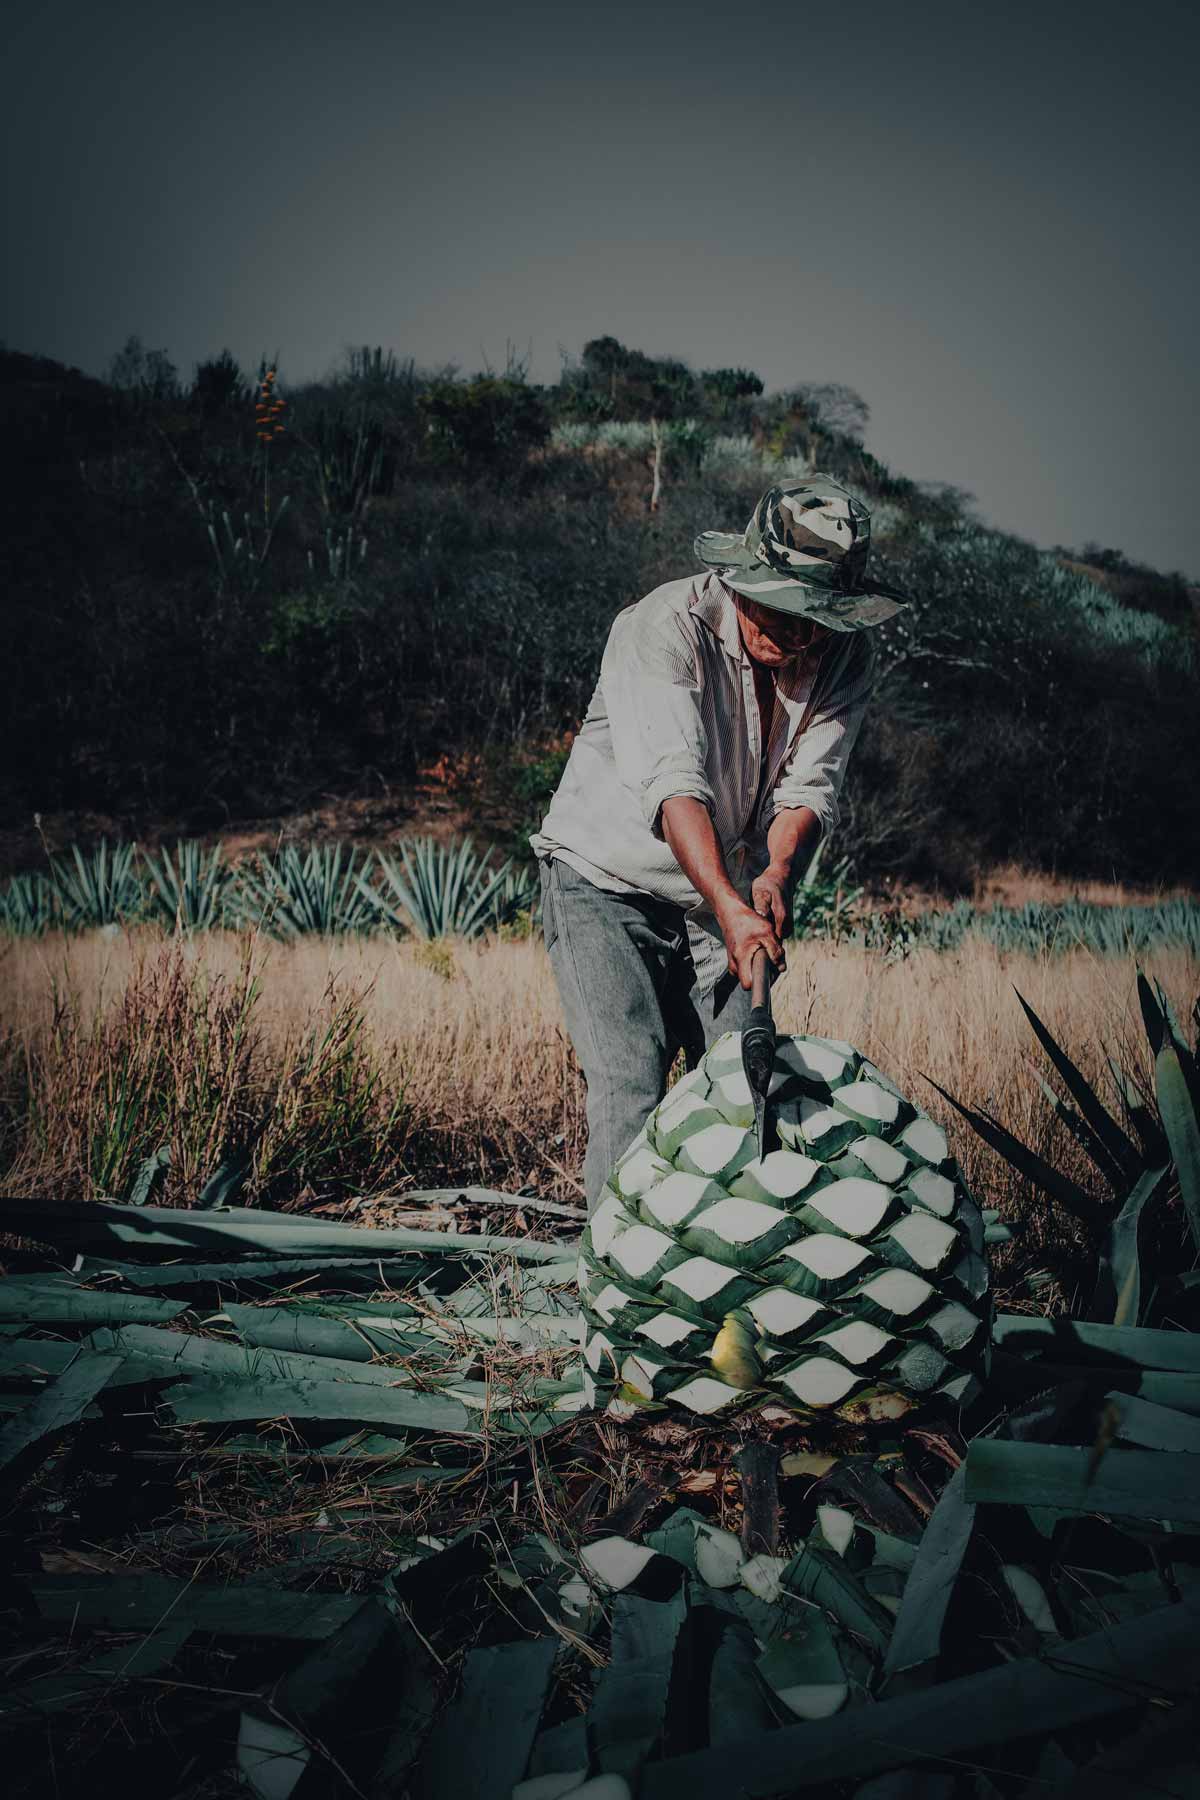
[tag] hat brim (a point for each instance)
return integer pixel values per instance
(840, 612)
(727, 554)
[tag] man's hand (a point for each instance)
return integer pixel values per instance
(744, 932)
(771, 895)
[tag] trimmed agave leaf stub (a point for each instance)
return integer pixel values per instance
(846, 1268)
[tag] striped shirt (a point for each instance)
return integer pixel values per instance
(675, 712)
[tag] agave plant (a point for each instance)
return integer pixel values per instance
(28, 906)
(189, 888)
(844, 1273)
(102, 888)
(322, 890)
(436, 890)
(1151, 1151)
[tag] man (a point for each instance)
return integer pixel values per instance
(706, 769)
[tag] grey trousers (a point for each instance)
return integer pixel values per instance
(627, 986)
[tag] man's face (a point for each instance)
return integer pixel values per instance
(774, 638)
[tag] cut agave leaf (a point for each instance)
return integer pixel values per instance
(918, 1633)
(480, 1746)
(719, 1556)
(1020, 1702)
(614, 1562)
(1136, 1484)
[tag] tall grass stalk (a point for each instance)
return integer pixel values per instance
(364, 1068)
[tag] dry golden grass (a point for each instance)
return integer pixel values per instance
(468, 1040)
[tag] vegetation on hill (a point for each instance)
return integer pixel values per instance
(226, 597)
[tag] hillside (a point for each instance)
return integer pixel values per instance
(377, 603)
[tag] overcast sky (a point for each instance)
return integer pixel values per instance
(980, 217)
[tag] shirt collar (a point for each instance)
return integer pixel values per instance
(714, 607)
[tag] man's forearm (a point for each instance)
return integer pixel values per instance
(792, 836)
(689, 830)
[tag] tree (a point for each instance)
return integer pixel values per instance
(218, 386)
(148, 375)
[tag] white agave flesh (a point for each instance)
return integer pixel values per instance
(863, 1099)
(677, 1120)
(953, 1325)
(855, 1206)
(857, 1342)
(700, 1278)
(897, 1291)
(885, 1162)
(763, 1577)
(639, 1171)
(639, 1248)
(719, 1556)
(673, 1201)
(609, 1301)
(609, 1218)
(779, 1311)
(820, 1381)
(731, 1095)
(837, 1527)
(780, 1175)
(666, 1329)
(717, 1151)
(706, 1395)
(926, 1140)
(819, 1122)
(815, 1699)
(928, 1241)
(638, 1372)
(810, 1060)
(827, 1257)
(877, 1075)
(694, 1082)
(934, 1192)
(725, 1055)
(599, 1351)
(736, 1221)
(615, 1562)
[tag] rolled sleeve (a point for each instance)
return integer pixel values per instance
(815, 770)
(651, 682)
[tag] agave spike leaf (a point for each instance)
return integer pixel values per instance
(1084, 1136)
(325, 890)
(1140, 1116)
(918, 1632)
(1118, 1292)
(99, 889)
(1118, 1157)
(439, 891)
(1136, 1484)
(29, 905)
(1182, 1128)
(190, 887)
(1077, 1201)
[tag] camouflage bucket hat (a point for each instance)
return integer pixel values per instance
(805, 551)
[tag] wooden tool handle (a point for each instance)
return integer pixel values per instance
(760, 979)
